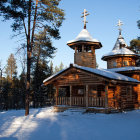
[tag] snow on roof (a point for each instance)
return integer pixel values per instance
(124, 69)
(119, 48)
(122, 51)
(107, 74)
(84, 35)
(102, 72)
(120, 41)
(54, 75)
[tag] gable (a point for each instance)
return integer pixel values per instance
(68, 76)
(74, 76)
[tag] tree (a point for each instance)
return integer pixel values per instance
(51, 68)
(21, 57)
(42, 52)
(59, 68)
(31, 15)
(11, 69)
(135, 45)
(138, 24)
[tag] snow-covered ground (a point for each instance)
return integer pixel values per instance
(44, 124)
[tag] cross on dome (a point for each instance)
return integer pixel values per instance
(85, 13)
(120, 23)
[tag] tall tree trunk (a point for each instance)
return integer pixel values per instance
(28, 62)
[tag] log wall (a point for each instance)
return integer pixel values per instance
(118, 62)
(78, 77)
(87, 59)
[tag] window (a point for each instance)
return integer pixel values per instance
(125, 63)
(133, 63)
(80, 91)
(93, 91)
(114, 64)
(79, 48)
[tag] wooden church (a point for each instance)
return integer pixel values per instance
(84, 85)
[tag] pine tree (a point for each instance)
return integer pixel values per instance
(51, 68)
(135, 45)
(59, 68)
(138, 24)
(42, 52)
(11, 69)
(30, 16)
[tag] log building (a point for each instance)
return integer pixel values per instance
(83, 85)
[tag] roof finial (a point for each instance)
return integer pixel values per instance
(120, 23)
(85, 13)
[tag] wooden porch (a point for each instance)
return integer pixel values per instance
(82, 96)
(81, 101)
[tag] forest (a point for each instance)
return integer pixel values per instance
(36, 22)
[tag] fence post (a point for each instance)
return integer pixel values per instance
(57, 93)
(106, 96)
(86, 96)
(70, 95)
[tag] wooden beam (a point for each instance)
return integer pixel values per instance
(70, 95)
(131, 91)
(57, 93)
(75, 49)
(86, 96)
(82, 47)
(106, 96)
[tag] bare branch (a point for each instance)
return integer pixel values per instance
(19, 49)
(25, 28)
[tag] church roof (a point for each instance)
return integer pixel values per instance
(120, 41)
(84, 35)
(119, 49)
(101, 72)
(124, 69)
(122, 51)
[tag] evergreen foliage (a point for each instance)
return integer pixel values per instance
(135, 45)
(31, 16)
(59, 68)
(11, 68)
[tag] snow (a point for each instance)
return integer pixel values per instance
(124, 69)
(102, 72)
(108, 74)
(84, 35)
(120, 40)
(44, 124)
(54, 75)
(118, 50)
(122, 51)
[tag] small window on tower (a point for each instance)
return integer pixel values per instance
(133, 63)
(114, 64)
(130, 63)
(125, 63)
(79, 48)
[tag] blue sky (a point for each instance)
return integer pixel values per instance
(104, 15)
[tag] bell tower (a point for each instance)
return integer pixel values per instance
(120, 56)
(84, 46)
